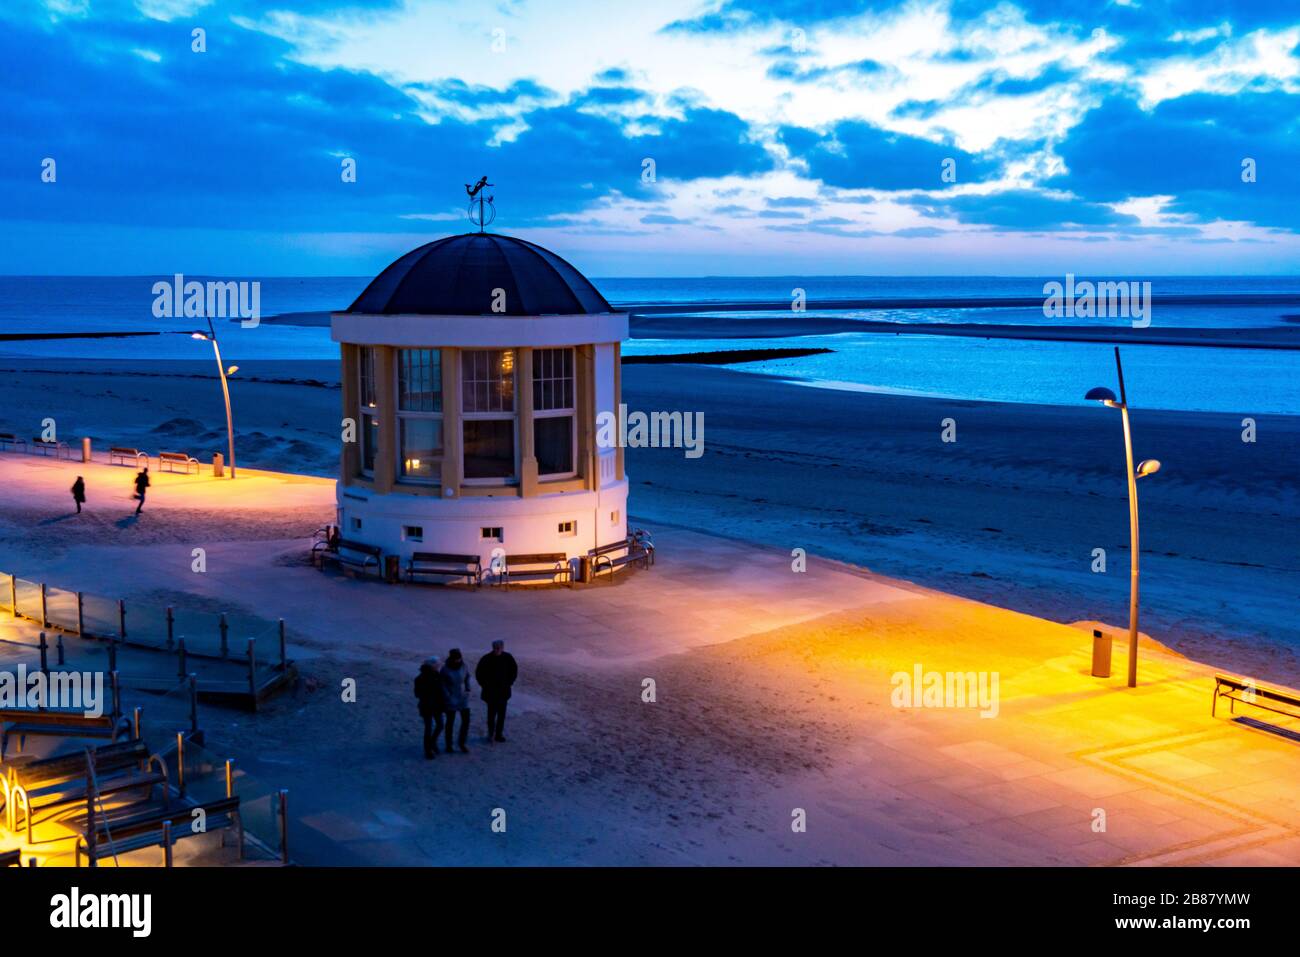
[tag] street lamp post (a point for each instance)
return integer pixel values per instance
(211, 335)
(1146, 467)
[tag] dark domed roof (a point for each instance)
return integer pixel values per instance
(457, 276)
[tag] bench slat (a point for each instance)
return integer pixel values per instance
(1240, 687)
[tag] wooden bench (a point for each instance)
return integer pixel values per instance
(634, 549)
(122, 455)
(109, 757)
(546, 566)
(56, 449)
(468, 567)
(59, 723)
(105, 838)
(74, 791)
(1238, 689)
(356, 556)
(9, 439)
(169, 461)
(12, 858)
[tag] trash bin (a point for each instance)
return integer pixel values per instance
(582, 573)
(218, 465)
(1100, 654)
(85, 448)
(392, 568)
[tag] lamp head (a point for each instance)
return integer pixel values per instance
(198, 335)
(232, 370)
(1148, 467)
(1103, 395)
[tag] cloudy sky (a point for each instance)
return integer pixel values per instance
(784, 136)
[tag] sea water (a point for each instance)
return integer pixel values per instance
(1194, 378)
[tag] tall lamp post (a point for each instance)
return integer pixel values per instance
(211, 336)
(1146, 467)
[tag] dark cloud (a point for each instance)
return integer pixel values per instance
(1025, 210)
(737, 14)
(242, 137)
(610, 96)
(797, 71)
(1192, 148)
(857, 155)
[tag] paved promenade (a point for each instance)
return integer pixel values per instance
(776, 693)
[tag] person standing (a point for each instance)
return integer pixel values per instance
(455, 684)
(141, 483)
(495, 673)
(79, 492)
(433, 703)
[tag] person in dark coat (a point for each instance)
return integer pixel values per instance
(455, 684)
(141, 483)
(79, 492)
(433, 703)
(495, 673)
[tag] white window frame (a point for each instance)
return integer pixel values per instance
(571, 412)
(436, 477)
(366, 371)
(512, 417)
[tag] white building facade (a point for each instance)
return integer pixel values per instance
(475, 370)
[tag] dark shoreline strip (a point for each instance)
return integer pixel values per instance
(29, 336)
(119, 373)
(722, 357)
(965, 302)
(1211, 338)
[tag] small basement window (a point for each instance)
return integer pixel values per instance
(356, 524)
(568, 528)
(412, 533)
(493, 534)
(613, 517)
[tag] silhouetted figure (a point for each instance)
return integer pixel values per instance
(141, 483)
(455, 683)
(433, 704)
(495, 673)
(79, 492)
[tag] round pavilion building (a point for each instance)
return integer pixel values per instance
(474, 369)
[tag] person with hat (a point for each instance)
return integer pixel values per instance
(431, 695)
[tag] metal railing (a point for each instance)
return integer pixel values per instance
(255, 644)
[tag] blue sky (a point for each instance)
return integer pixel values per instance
(787, 136)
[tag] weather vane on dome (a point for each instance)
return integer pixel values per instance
(481, 210)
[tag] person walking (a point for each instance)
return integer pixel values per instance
(455, 684)
(141, 483)
(433, 703)
(495, 673)
(79, 492)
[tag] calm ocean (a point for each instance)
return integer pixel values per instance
(1242, 381)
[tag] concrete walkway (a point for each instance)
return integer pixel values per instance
(1072, 769)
